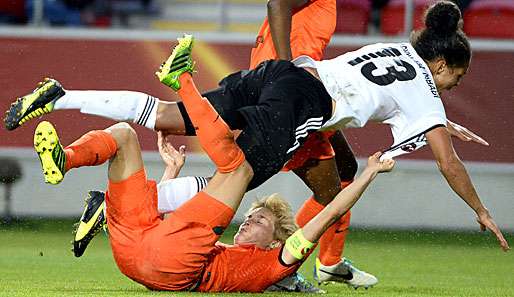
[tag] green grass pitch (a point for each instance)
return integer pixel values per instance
(37, 261)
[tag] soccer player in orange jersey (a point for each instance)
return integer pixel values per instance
(304, 27)
(181, 252)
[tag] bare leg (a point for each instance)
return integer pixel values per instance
(230, 188)
(322, 178)
(127, 160)
(345, 158)
(169, 118)
(229, 184)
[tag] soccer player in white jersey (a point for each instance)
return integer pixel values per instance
(279, 103)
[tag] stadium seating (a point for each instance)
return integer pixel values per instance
(353, 16)
(490, 18)
(55, 13)
(12, 11)
(392, 19)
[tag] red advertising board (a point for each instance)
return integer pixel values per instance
(484, 101)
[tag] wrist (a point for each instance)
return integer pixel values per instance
(481, 210)
(370, 172)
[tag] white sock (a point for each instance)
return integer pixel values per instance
(137, 107)
(146, 114)
(172, 193)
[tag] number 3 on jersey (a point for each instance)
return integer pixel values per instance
(392, 73)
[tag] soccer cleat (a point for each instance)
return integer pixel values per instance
(179, 62)
(41, 101)
(92, 221)
(50, 152)
(344, 272)
(295, 283)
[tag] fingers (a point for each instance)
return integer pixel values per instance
(387, 165)
(470, 136)
(478, 139)
(463, 137)
(380, 165)
(491, 225)
(182, 151)
(465, 134)
(505, 245)
(503, 242)
(375, 158)
(159, 138)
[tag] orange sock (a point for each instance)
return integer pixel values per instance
(93, 148)
(331, 243)
(309, 210)
(214, 134)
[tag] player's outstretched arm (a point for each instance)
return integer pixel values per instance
(298, 244)
(457, 177)
(280, 15)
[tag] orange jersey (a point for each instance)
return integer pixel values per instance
(312, 27)
(181, 252)
(241, 268)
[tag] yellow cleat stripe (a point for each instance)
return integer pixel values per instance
(84, 228)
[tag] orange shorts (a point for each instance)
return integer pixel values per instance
(162, 254)
(317, 146)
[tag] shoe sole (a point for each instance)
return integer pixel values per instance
(18, 114)
(184, 44)
(45, 142)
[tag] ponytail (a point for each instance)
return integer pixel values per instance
(442, 36)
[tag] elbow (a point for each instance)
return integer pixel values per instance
(447, 164)
(272, 5)
(275, 6)
(333, 213)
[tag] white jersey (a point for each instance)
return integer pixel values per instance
(383, 82)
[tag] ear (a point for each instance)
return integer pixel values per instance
(440, 65)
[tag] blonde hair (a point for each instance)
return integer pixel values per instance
(285, 224)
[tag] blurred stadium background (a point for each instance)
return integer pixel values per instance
(118, 44)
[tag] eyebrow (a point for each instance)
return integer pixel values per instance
(260, 216)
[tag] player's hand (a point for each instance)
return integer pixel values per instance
(486, 222)
(173, 159)
(375, 164)
(464, 133)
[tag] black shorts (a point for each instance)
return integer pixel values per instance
(276, 106)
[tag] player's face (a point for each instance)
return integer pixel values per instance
(258, 228)
(449, 77)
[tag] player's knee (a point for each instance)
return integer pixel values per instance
(123, 133)
(326, 194)
(244, 171)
